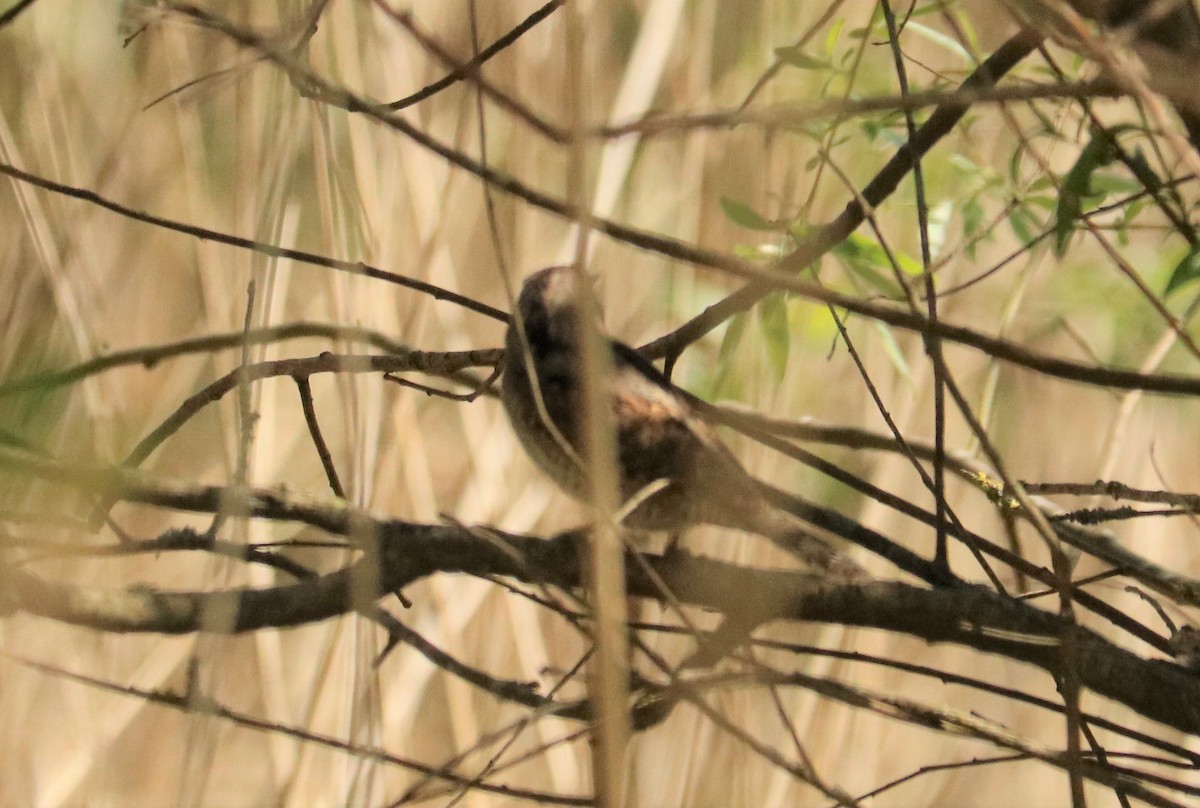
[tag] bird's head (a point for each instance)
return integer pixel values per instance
(548, 303)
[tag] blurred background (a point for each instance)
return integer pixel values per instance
(143, 106)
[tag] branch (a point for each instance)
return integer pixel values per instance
(943, 118)
(969, 616)
(353, 267)
(437, 362)
(151, 355)
(200, 704)
(941, 121)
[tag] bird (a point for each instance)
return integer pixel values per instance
(673, 468)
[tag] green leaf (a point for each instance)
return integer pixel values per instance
(1070, 206)
(773, 319)
(892, 349)
(1188, 269)
(926, 10)
(877, 279)
(939, 225)
(758, 252)
(1130, 213)
(868, 259)
(742, 214)
(972, 217)
(1046, 203)
(831, 36)
(1077, 184)
(1014, 165)
(798, 58)
(725, 354)
(864, 258)
(938, 38)
(1105, 183)
(1020, 221)
(966, 28)
(1040, 184)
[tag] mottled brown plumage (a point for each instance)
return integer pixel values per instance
(660, 437)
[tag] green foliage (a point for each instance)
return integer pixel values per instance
(745, 216)
(1077, 187)
(938, 38)
(735, 330)
(866, 259)
(1187, 270)
(895, 354)
(798, 58)
(773, 322)
(1087, 185)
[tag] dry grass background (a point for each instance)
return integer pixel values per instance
(242, 152)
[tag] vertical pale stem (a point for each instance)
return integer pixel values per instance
(608, 679)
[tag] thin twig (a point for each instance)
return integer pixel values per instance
(479, 58)
(304, 387)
